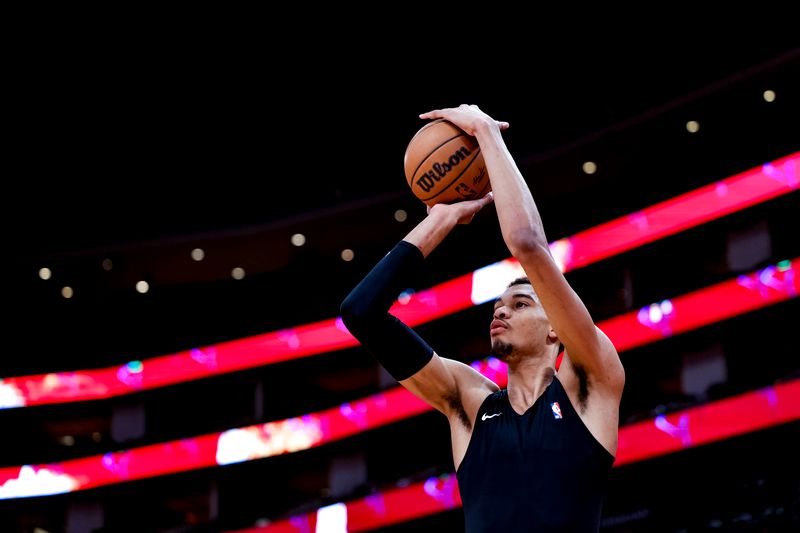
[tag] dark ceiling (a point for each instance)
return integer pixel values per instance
(139, 157)
(131, 147)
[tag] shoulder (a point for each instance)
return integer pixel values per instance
(452, 387)
(471, 375)
(472, 390)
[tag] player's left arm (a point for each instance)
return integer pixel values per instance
(588, 348)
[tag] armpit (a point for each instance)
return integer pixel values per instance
(583, 387)
(457, 407)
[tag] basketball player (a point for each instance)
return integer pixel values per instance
(536, 455)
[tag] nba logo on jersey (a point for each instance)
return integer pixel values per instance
(556, 410)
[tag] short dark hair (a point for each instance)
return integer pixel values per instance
(520, 281)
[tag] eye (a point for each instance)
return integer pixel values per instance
(521, 304)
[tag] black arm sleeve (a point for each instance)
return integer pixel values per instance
(365, 312)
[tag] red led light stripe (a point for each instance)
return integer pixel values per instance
(685, 211)
(691, 209)
(227, 447)
(746, 413)
(692, 427)
(706, 306)
(379, 510)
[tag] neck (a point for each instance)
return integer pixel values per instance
(527, 380)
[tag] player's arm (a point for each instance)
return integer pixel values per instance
(401, 351)
(523, 233)
(587, 346)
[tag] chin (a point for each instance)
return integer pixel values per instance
(501, 350)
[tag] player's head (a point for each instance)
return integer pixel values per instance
(520, 327)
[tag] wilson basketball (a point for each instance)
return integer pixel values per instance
(443, 164)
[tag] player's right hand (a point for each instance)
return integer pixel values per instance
(464, 210)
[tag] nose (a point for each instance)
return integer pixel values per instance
(501, 312)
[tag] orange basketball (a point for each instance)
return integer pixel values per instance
(444, 164)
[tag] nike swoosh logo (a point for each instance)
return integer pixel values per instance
(485, 416)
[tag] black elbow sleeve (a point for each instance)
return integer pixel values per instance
(365, 313)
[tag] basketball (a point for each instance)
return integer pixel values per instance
(443, 164)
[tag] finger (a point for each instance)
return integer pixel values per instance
(436, 113)
(485, 200)
(503, 125)
(482, 202)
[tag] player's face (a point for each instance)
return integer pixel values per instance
(519, 322)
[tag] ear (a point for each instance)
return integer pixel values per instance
(552, 337)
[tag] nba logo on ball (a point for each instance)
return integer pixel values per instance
(443, 164)
(556, 410)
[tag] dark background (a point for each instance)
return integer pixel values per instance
(140, 151)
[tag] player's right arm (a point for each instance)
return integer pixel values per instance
(447, 385)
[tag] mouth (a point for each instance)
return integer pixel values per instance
(497, 326)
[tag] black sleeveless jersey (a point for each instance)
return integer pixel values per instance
(539, 471)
